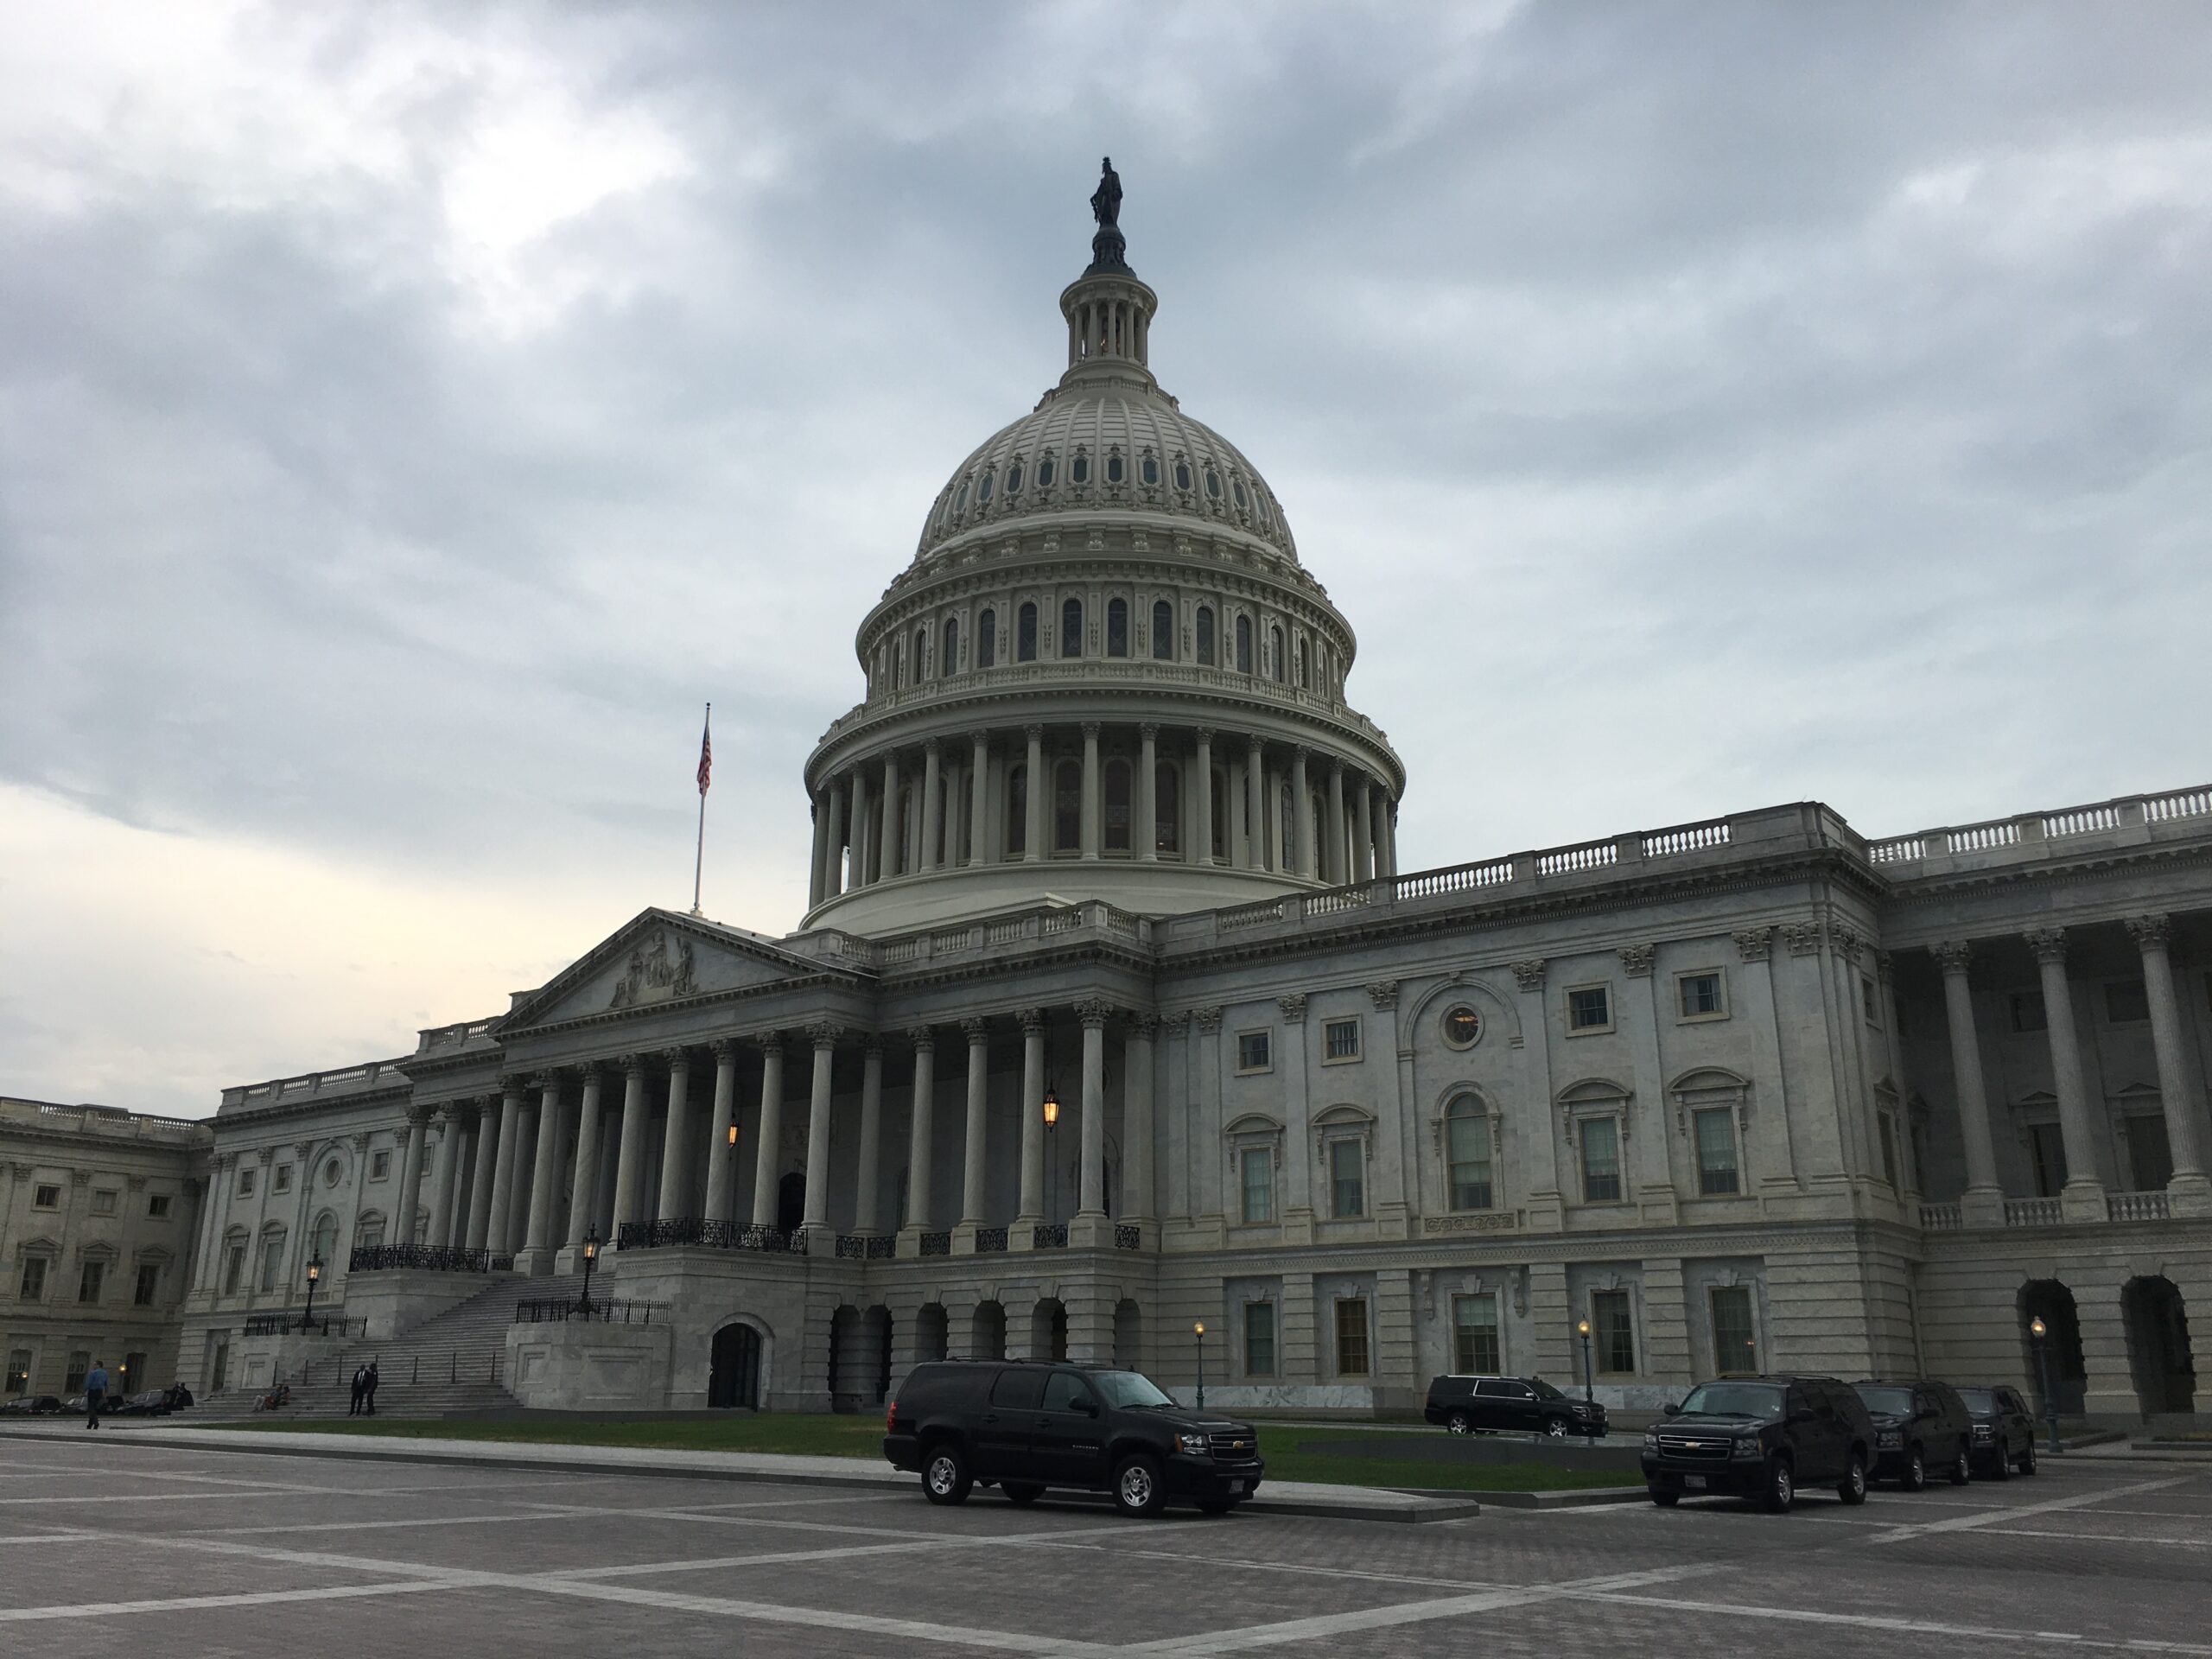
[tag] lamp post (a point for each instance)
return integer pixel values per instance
(314, 1278)
(591, 1258)
(1199, 1332)
(1582, 1330)
(731, 1206)
(2038, 1330)
(1052, 1152)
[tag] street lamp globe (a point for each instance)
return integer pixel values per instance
(1582, 1328)
(1051, 1110)
(2036, 1328)
(733, 1137)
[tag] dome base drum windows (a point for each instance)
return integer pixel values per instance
(1072, 628)
(986, 640)
(1117, 628)
(1025, 635)
(1163, 631)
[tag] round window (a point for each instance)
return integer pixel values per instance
(331, 1173)
(1182, 476)
(1045, 473)
(1113, 469)
(1148, 470)
(1079, 470)
(1463, 1028)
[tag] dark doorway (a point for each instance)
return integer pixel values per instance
(2051, 1302)
(931, 1335)
(735, 1379)
(987, 1331)
(791, 1203)
(2158, 1345)
(876, 1324)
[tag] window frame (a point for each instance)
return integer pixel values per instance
(1267, 1063)
(1464, 1363)
(104, 1201)
(1698, 1116)
(2142, 990)
(146, 1292)
(1266, 1157)
(1329, 1029)
(1072, 626)
(25, 1290)
(1611, 1121)
(1600, 1359)
(1469, 1108)
(1163, 632)
(1333, 1147)
(1356, 1329)
(157, 1205)
(1262, 1305)
(1719, 1009)
(46, 1195)
(1444, 1026)
(1604, 988)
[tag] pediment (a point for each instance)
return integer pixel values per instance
(660, 957)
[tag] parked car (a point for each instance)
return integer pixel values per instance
(35, 1404)
(148, 1402)
(1762, 1437)
(1523, 1405)
(1027, 1425)
(1918, 1426)
(2004, 1430)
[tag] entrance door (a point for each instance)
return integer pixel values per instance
(791, 1203)
(135, 1379)
(219, 1374)
(735, 1379)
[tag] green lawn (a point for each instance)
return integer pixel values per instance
(827, 1435)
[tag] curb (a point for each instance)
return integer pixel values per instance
(1583, 1498)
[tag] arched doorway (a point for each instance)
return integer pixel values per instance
(987, 1332)
(931, 1332)
(875, 1330)
(2051, 1302)
(791, 1203)
(2158, 1345)
(1129, 1335)
(734, 1379)
(1048, 1330)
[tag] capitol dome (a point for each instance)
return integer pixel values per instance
(1105, 674)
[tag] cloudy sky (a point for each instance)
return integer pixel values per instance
(410, 416)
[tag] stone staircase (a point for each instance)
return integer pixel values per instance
(454, 1365)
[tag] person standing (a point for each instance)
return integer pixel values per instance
(95, 1393)
(369, 1388)
(360, 1387)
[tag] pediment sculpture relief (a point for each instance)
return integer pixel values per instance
(655, 973)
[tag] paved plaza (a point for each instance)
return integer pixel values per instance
(115, 1547)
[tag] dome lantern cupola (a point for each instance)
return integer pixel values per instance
(1108, 310)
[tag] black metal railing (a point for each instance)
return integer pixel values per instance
(1128, 1237)
(713, 1235)
(1048, 1236)
(573, 1307)
(285, 1324)
(988, 1239)
(866, 1247)
(429, 1258)
(936, 1244)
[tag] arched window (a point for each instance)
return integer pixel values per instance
(1182, 475)
(1079, 470)
(1163, 631)
(1118, 813)
(1013, 479)
(1205, 636)
(1275, 661)
(1167, 809)
(1299, 655)
(1236, 484)
(368, 1231)
(986, 640)
(1113, 469)
(1148, 470)
(949, 658)
(1466, 1150)
(1072, 628)
(1243, 645)
(921, 654)
(1067, 807)
(1044, 470)
(1025, 634)
(983, 492)
(1017, 810)
(1213, 484)
(960, 502)
(1117, 628)
(322, 1242)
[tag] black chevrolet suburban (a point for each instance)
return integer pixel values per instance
(1026, 1424)
(1919, 1427)
(1761, 1437)
(1510, 1405)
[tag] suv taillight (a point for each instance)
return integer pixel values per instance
(891, 1418)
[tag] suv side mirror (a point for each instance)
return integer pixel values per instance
(1089, 1407)
(1672, 1408)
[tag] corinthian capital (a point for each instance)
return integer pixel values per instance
(2049, 943)
(2151, 932)
(1952, 955)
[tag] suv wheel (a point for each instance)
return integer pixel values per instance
(1022, 1493)
(1555, 1428)
(1781, 1490)
(1459, 1423)
(1915, 1477)
(944, 1476)
(1665, 1496)
(2028, 1460)
(2000, 1466)
(1852, 1489)
(1961, 1467)
(1137, 1489)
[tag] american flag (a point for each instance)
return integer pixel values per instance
(707, 749)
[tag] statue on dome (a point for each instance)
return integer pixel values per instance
(1106, 201)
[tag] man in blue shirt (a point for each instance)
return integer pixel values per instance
(95, 1395)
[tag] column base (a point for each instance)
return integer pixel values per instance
(535, 1264)
(1091, 1230)
(1982, 1206)
(963, 1237)
(2189, 1193)
(908, 1242)
(2083, 1202)
(1021, 1232)
(569, 1258)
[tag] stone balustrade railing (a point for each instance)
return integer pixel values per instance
(2041, 834)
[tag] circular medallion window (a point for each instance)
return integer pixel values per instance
(1462, 1026)
(330, 1173)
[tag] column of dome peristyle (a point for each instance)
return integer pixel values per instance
(1110, 327)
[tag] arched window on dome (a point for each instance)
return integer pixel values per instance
(986, 640)
(1213, 484)
(1163, 631)
(960, 502)
(1148, 470)
(1072, 628)
(1117, 628)
(1017, 812)
(1067, 807)
(1114, 469)
(1204, 630)
(1013, 479)
(949, 658)
(1079, 469)
(1119, 786)
(1025, 633)
(1298, 660)
(1276, 663)
(1243, 645)
(984, 492)
(1235, 484)
(1044, 470)
(1287, 817)
(921, 653)
(1168, 810)
(1183, 476)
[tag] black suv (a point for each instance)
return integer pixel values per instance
(1761, 1437)
(1527, 1405)
(1024, 1424)
(1919, 1427)
(2004, 1430)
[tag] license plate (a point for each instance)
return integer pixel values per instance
(1694, 1483)
(1240, 1487)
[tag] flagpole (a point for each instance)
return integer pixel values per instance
(699, 857)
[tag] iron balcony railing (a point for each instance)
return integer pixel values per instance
(936, 1244)
(673, 1230)
(1049, 1235)
(285, 1324)
(988, 1239)
(428, 1258)
(574, 1308)
(1129, 1237)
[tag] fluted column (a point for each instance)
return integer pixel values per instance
(2084, 1193)
(629, 1151)
(975, 1164)
(1339, 868)
(2178, 1098)
(1033, 830)
(676, 1151)
(721, 1156)
(820, 858)
(441, 1182)
(1308, 861)
(1090, 839)
(583, 1201)
(866, 1209)
(1093, 1184)
(1203, 852)
(1032, 1118)
(768, 1153)
(932, 805)
(817, 1214)
(859, 872)
(543, 1224)
(1136, 1120)
(979, 783)
(1983, 1197)
(1389, 837)
(1259, 845)
(891, 850)
(921, 1127)
(212, 1207)
(477, 1234)
(833, 841)
(410, 1171)
(1363, 853)
(1144, 834)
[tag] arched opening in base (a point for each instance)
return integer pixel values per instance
(734, 1378)
(2158, 1345)
(987, 1332)
(2068, 1379)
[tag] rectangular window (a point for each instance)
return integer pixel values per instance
(80, 1364)
(19, 1370)
(1735, 1344)
(1255, 1169)
(379, 1165)
(1601, 1161)
(1887, 1124)
(32, 1286)
(1347, 1179)
(1351, 1336)
(1613, 1330)
(2150, 1159)
(1700, 994)
(1259, 1339)
(1589, 1008)
(272, 1263)
(149, 1282)
(1715, 1130)
(234, 1269)
(46, 1196)
(1870, 1000)
(1467, 1144)
(1474, 1335)
(90, 1277)
(2027, 1011)
(1253, 1053)
(2046, 1158)
(104, 1200)
(2126, 1002)
(158, 1206)
(1341, 1039)
(282, 1182)
(245, 1183)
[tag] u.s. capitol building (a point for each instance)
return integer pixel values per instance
(1112, 1014)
